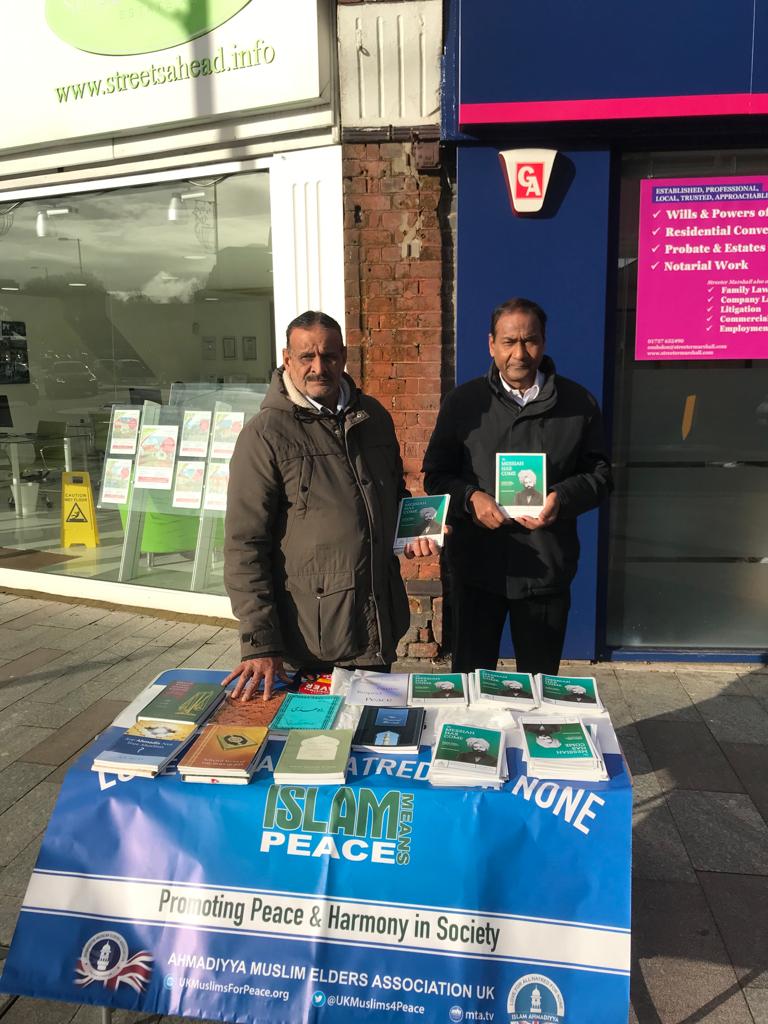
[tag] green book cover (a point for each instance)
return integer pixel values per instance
(571, 689)
(521, 482)
(505, 684)
(305, 711)
(421, 517)
(437, 686)
(557, 741)
(467, 748)
(310, 752)
(183, 701)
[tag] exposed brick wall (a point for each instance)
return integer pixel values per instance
(398, 280)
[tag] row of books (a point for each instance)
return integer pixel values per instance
(519, 691)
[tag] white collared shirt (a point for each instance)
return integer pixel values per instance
(343, 400)
(523, 397)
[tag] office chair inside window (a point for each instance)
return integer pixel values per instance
(49, 458)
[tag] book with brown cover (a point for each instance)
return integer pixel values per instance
(249, 712)
(224, 750)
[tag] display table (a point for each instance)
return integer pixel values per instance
(384, 896)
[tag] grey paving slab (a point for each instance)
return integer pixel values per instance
(703, 685)
(14, 610)
(25, 820)
(92, 1015)
(657, 696)
(75, 734)
(21, 667)
(634, 751)
(9, 912)
(750, 762)
(757, 684)
(658, 852)
(736, 719)
(39, 1011)
(15, 876)
(17, 779)
(757, 1001)
(739, 905)
(684, 755)
(681, 971)
(16, 742)
(721, 831)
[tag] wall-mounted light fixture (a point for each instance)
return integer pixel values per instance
(41, 220)
(175, 206)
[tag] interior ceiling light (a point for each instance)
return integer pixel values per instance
(41, 220)
(174, 207)
(9, 288)
(77, 284)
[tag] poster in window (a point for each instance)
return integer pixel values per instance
(209, 349)
(188, 490)
(195, 432)
(125, 432)
(249, 347)
(156, 457)
(229, 348)
(226, 427)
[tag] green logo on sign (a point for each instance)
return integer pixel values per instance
(123, 27)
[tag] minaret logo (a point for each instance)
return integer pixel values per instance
(535, 999)
(105, 958)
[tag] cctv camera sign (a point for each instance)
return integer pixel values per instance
(85, 68)
(526, 173)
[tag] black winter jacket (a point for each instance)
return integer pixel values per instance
(479, 419)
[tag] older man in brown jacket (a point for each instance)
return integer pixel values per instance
(315, 482)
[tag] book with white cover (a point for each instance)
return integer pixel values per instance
(572, 695)
(515, 690)
(561, 749)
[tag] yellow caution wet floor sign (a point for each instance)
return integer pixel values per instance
(78, 516)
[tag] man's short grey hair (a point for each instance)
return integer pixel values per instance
(312, 318)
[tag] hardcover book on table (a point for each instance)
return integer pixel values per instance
(389, 729)
(305, 711)
(145, 748)
(521, 483)
(183, 701)
(421, 517)
(314, 757)
(249, 712)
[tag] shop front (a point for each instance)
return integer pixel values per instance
(170, 197)
(649, 252)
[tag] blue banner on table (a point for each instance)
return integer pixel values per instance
(268, 904)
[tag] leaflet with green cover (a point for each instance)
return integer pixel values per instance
(507, 687)
(469, 749)
(557, 741)
(183, 701)
(421, 517)
(521, 483)
(570, 690)
(306, 711)
(426, 688)
(314, 756)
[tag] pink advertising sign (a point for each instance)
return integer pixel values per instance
(702, 278)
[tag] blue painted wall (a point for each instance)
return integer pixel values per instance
(560, 262)
(591, 49)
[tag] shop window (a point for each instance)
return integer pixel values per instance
(157, 299)
(688, 562)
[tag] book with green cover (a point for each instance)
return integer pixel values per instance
(421, 517)
(314, 756)
(305, 711)
(557, 741)
(183, 701)
(468, 750)
(521, 483)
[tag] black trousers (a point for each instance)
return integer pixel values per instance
(537, 625)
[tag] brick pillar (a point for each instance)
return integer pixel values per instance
(398, 321)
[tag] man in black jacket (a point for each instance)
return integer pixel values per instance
(521, 567)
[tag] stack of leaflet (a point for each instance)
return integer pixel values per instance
(467, 755)
(514, 690)
(381, 689)
(224, 754)
(305, 711)
(389, 730)
(426, 689)
(314, 757)
(569, 695)
(145, 749)
(561, 749)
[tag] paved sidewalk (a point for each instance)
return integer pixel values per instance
(695, 737)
